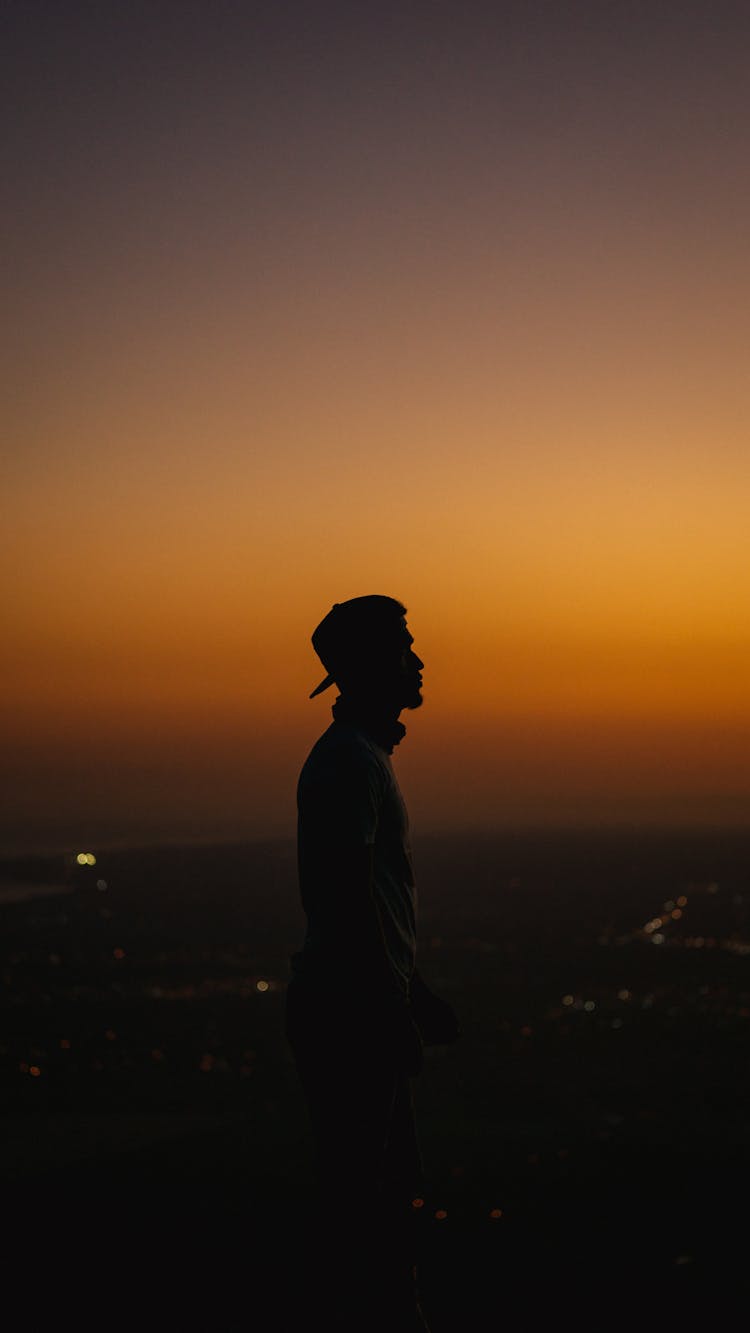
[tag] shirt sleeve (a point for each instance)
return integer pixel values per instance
(340, 801)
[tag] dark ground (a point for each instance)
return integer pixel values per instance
(156, 1156)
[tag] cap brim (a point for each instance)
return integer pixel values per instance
(329, 680)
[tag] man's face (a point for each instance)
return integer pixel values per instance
(390, 671)
(409, 680)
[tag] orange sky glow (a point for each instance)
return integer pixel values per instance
(469, 329)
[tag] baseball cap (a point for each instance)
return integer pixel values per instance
(352, 630)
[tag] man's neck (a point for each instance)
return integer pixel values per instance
(376, 717)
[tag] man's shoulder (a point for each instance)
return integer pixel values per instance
(343, 751)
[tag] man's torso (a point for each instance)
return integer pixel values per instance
(348, 795)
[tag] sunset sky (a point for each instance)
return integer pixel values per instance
(448, 301)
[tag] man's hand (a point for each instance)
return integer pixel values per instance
(404, 1039)
(436, 1021)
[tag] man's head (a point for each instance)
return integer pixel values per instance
(365, 646)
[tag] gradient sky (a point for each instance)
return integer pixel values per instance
(304, 301)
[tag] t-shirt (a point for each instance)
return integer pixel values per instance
(348, 796)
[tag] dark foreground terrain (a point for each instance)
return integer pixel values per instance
(586, 1143)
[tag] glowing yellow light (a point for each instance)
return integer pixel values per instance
(589, 1006)
(682, 900)
(417, 1203)
(568, 999)
(261, 985)
(90, 859)
(82, 859)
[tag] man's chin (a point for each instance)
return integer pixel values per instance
(415, 701)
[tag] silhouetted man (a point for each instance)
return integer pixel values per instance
(357, 1011)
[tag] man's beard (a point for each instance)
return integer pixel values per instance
(415, 699)
(385, 696)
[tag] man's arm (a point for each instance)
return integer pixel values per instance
(382, 995)
(352, 878)
(339, 809)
